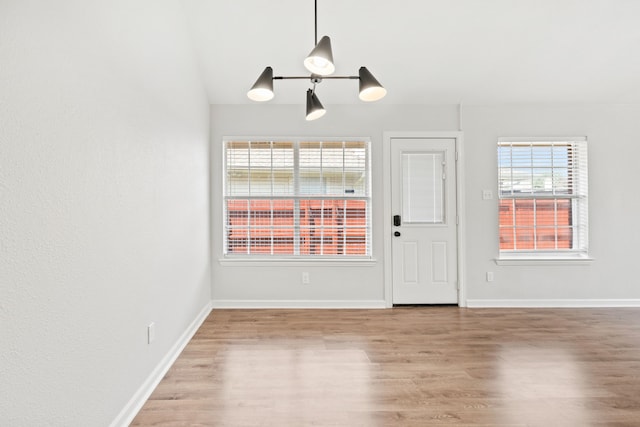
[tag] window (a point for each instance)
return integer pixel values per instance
(543, 190)
(297, 198)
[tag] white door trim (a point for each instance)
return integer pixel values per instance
(387, 217)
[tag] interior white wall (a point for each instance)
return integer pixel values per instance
(242, 285)
(104, 194)
(612, 133)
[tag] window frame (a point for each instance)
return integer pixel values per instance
(577, 193)
(296, 259)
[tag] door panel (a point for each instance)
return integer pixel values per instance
(439, 262)
(424, 248)
(410, 262)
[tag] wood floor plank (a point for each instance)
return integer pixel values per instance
(411, 366)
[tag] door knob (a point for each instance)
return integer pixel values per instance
(396, 233)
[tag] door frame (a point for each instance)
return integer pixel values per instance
(388, 215)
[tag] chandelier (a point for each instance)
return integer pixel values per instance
(320, 64)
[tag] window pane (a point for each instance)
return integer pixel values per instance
(561, 183)
(521, 180)
(542, 180)
(356, 241)
(524, 238)
(320, 229)
(565, 237)
(520, 156)
(260, 168)
(562, 154)
(260, 213)
(563, 212)
(423, 187)
(311, 231)
(355, 165)
(282, 162)
(311, 168)
(237, 158)
(541, 156)
(504, 157)
(524, 222)
(523, 213)
(333, 227)
(507, 241)
(356, 233)
(237, 226)
(237, 241)
(545, 216)
(237, 213)
(333, 167)
(545, 213)
(505, 181)
(506, 212)
(260, 226)
(546, 238)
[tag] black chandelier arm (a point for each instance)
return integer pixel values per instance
(314, 77)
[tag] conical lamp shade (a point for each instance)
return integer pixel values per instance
(370, 88)
(262, 90)
(320, 60)
(315, 110)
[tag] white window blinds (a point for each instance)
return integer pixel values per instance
(297, 198)
(543, 190)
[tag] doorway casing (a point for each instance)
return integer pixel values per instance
(388, 214)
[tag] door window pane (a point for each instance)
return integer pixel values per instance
(423, 187)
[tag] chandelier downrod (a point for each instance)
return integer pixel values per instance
(315, 14)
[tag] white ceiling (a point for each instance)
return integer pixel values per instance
(426, 51)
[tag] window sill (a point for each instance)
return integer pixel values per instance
(547, 260)
(296, 262)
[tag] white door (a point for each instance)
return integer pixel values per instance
(423, 202)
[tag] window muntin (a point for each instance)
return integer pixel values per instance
(297, 198)
(543, 192)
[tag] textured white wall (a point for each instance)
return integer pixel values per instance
(104, 199)
(613, 151)
(329, 284)
(612, 132)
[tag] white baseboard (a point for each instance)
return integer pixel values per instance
(553, 303)
(134, 405)
(298, 304)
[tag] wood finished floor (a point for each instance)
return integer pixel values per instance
(417, 366)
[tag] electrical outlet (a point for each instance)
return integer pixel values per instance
(487, 194)
(305, 278)
(489, 276)
(151, 333)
